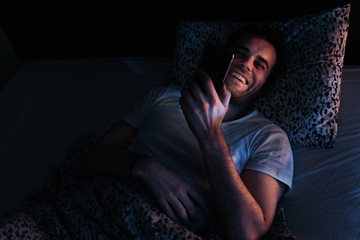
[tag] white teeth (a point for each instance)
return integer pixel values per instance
(239, 77)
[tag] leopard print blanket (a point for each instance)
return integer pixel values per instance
(70, 207)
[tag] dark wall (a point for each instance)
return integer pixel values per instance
(45, 29)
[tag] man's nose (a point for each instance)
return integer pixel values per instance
(247, 65)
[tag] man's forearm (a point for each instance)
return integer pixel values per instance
(107, 160)
(236, 206)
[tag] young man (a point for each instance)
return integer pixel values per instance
(206, 158)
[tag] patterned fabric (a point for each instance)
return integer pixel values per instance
(305, 98)
(104, 208)
(19, 226)
(279, 229)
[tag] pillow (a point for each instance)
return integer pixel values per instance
(305, 98)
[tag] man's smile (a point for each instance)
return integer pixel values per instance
(239, 77)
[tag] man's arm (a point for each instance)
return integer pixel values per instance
(110, 157)
(246, 205)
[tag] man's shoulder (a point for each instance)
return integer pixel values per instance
(165, 90)
(266, 124)
(161, 94)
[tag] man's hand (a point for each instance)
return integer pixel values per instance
(204, 110)
(175, 196)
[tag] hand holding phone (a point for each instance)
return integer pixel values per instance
(215, 62)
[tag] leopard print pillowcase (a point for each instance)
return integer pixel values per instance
(305, 99)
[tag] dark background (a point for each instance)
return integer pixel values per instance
(46, 29)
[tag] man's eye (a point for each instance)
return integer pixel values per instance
(260, 65)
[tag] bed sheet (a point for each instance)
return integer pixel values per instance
(49, 104)
(325, 200)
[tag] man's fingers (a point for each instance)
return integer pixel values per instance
(206, 82)
(225, 96)
(190, 207)
(174, 195)
(175, 209)
(180, 210)
(169, 211)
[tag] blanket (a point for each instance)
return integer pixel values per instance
(71, 207)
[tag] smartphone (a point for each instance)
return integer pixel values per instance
(215, 61)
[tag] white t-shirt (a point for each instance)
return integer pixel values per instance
(254, 141)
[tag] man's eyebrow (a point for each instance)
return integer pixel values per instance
(242, 48)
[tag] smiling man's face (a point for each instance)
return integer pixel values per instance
(252, 64)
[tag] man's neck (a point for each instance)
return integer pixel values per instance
(236, 111)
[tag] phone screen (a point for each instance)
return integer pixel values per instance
(215, 61)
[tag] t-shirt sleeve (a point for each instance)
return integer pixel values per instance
(272, 155)
(136, 116)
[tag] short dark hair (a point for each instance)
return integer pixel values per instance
(273, 35)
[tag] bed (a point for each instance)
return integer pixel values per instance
(48, 105)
